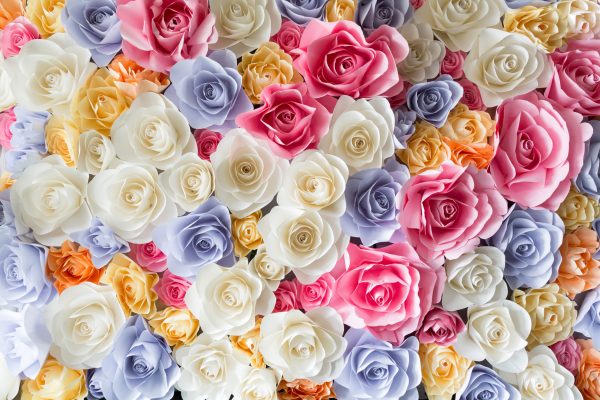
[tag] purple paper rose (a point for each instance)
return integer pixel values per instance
(482, 383)
(588, 317)
(371, 14)
(101, 241)
(29, 130)
(433, 101)
(301, 12)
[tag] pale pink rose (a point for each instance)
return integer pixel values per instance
(157, 34)
(387, 291)
(440, 327)
(6, 120)
(540, 150)
(15, 35)
(471, 95)
(452, 64)
(288, 37)
(445, 212)
(148, 256)
(568, 354)
(207, 142)
(318, 293)
(286, 297)
(171, 289)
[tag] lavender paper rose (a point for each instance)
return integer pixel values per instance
(588, 180)
(94, 384)
(433, 101)
(482, 383)
(371, 14)
(301, 12)
(29, 129)
(523, 3)
(404, 126)
(101, 241)
(588, 317)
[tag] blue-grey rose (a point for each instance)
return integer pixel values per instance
(194, 240)
(374, 369)
(588, 180)
(208, 91)
(29, 129)
(530, 240)
(523, 3)
(94, 24)
(301, 12)
(371, 206)
(404, 126)
(140, 366)
(588, 316)
(482, 383)
(371, 14)
(101, 241)
(397, 170)
(433, 101)
(94, 384)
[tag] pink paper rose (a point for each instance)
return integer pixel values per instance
(452, 64)
(568, 354)
(318, 293)
(6, 120)
(171, 289)
(575, 82)
(157, 33)
(540, 149)
(387, 290)
(207, 142)
(335, 59)
(440, 327)
(471, 95)
(288, 37)
(290, 119)
(286, 297)
(15, 35)
(148, 256)
(445, 212)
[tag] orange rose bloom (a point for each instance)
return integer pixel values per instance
(71, 265)
(9, 10)
(588, 379)
(133, 79)
(579, 271)
(478, 154)
(303, 389)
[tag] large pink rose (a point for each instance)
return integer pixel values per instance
(158, 33)
(335, 59)
(15, 35)
(290, 119)
(540, 149)
(445, 212)
(387, 291)
(575, 83)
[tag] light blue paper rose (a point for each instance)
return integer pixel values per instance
(301, 12)
(588, 180)
(371, 14)
(482, 383)
(101, 241)
(433, 101)
(29, 130)
(588, 317)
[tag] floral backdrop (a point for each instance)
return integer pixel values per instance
(300, 199)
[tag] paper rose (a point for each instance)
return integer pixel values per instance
(544, 26)
(433, 101)
(316, 294)
(425, 149)
(270, 271)
(71, 265)
(287, 296)
(171, 289)
(96, 152)
(101, 242)
(588, 369)
(148, 256)
(582, 17)
(483, 383)
(371, 14)
(588, 318)
(177, 326)
(6, 120)
(424, 61)
(7, 98)
(579, 270)
(207, 142)
(258, 383)
(588, 180)
(28, 130)
(15, 35)
(66, 383)
(440, 327)
(9, 388)
(568, 354)
(133, 79)
(45, 15)
(288, 36)
(443, 370)
(302, 13)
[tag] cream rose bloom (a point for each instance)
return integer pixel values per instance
(304, 346)
(50, 199)
(84, 322)
(227, 300)
(9, 383)
(7, 99)
(582, 16)
(315, 181)
(258, 384)
(46, 74)
(496, 332)
(505, 64)
(425, 56)
(443, 369)
(247, 173)
(360, 132)
(266, 268)
(189, 182)
(306, 241)
(129, 200)
(96, 152)
(210, 369)
(474, 278)
(458, 22)
(45, 15)
(544, 378)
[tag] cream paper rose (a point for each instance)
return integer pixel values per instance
(7, 99)
(308, 242)
(258, 384)
(425, 56)
(505, 64)
(84, 322)
(474, 278)
(247, 173)
(315, 181)
(96, 152)
(210, 369)
(266, 268)
(304, 345)
(582, 16)
(9, 383)
(243, 25)
(189, 182)
(496, 332)
(47, 73)
(543, 378)
(360, 132)
(129, 200)
(50, 199)
(45, 15)
(227, 300)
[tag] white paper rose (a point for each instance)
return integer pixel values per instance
(306, 241)
(583, 17)
(9, 383)
(50, 199)
(84, 322)
(266, 268)
(315, 181)
(96, 152)
(7, 99)
(152, 131)
(304, 346)
(258, 384)
(504, 64)
(128, 199)
(474, 278)
(360, 132)
(227, 300)
(210, 369)
(425, 56)
(189, 182)
(47, 73)
(247, 173)
(496, 332)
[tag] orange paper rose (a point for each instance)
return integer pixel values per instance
(71, 265)
(588, 379)
(303, 389)
(579, 271)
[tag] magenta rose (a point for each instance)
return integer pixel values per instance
(171, 289)
(288, 37)
(445, 212)
(568, 354)
(335, 59)
(540, 150)
(158, 33)
(452, 64)
(387, 291)
(471, 95)
(148, 256)
(440, 327)
(318, 293)
(7, 118)
(207, 142)
(290, 119)
(575, 82)
(286, 297)
(15, 35)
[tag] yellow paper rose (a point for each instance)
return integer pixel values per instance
(177, 326)
(45, 15)
(266, 66)
(62, 138)
(338, 10)
(9, 10)
(543, 25)
(245, 233)
(443, 370)
(425, 149)
(247, 344)
(5, 181)
(578, 210)
(55, 382)
(99, 103)
(468, 126)
(133, 286)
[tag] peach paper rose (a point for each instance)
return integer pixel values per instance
(444, 370)
(62, 138)
(71, 265)
(133, 79)
(304, 389)
(588, 381)
(10, 10)
(579, 271)
(247, 344)
(425, 149)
